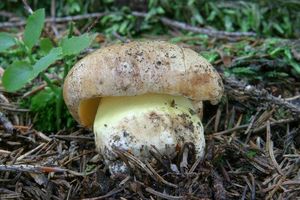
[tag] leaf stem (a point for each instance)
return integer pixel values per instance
(33, 61)
(58, 107)
(71, 28)
(59, 100)
(48, 81)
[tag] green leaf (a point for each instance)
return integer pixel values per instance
(212, 16)
(228, 23)
(276, 51)
(74, 45)
(17, 75)
(274, 74)
(34, 27)
(278, 28)
(20, 72)
(296, 66)
(243, 71)
(124, 27)
(6, 41)
(41, 99)
(210, 56)
(46, 45)
(288, 54)
(251, 154)
(42, 64)
(160, 10)
(190, 2)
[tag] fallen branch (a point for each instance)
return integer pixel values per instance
(54, 20)
(42, 169)
(164, 20)
(31, 168)
(187, 27)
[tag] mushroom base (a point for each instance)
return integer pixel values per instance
(136, 123)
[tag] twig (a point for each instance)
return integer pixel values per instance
(253, 191)
(276, 187)
(164, 20)
(296, 53)
(69, 192)
(82, 173)
(72, 137)
(164, 161)
(217, 119)
(291, 169)
(8, 194)
(184, 162)
(236, 88)
(244, 192)
(259, 164)
(272, 156)
(15, 109)
(112, 192)
(292, 98)
(27, 7)
(252, 120)
(278, 122)
(43, 136)
(41, 169)
(162, 195)
(34, 91)
(146, 167)
(218, 187)
(3, 98)
(244, 126)
(291, 182)
(237, 128)
(4, 152)
(125, 180)
(121, 38)
(92, 25)
(6, 123)
(196, 163)
(187, 27)
(31, 168)
(31, 151)
(8, 14)
(53, 13)
(54, 20)
(159, 177)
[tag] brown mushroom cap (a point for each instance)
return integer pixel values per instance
(138, 68)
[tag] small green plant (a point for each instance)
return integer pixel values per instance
(256, 16)
(269, 60)
(278, 18)
(34, 58)
(119, 21)
(251, 153)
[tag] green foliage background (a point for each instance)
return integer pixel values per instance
(265, 17)
(277, 21)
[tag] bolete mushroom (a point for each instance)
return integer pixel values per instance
(140, 94)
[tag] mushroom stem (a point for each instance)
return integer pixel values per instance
(135, 123)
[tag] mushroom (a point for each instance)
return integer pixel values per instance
(142, 94)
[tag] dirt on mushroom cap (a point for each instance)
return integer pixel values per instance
(138, 68)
